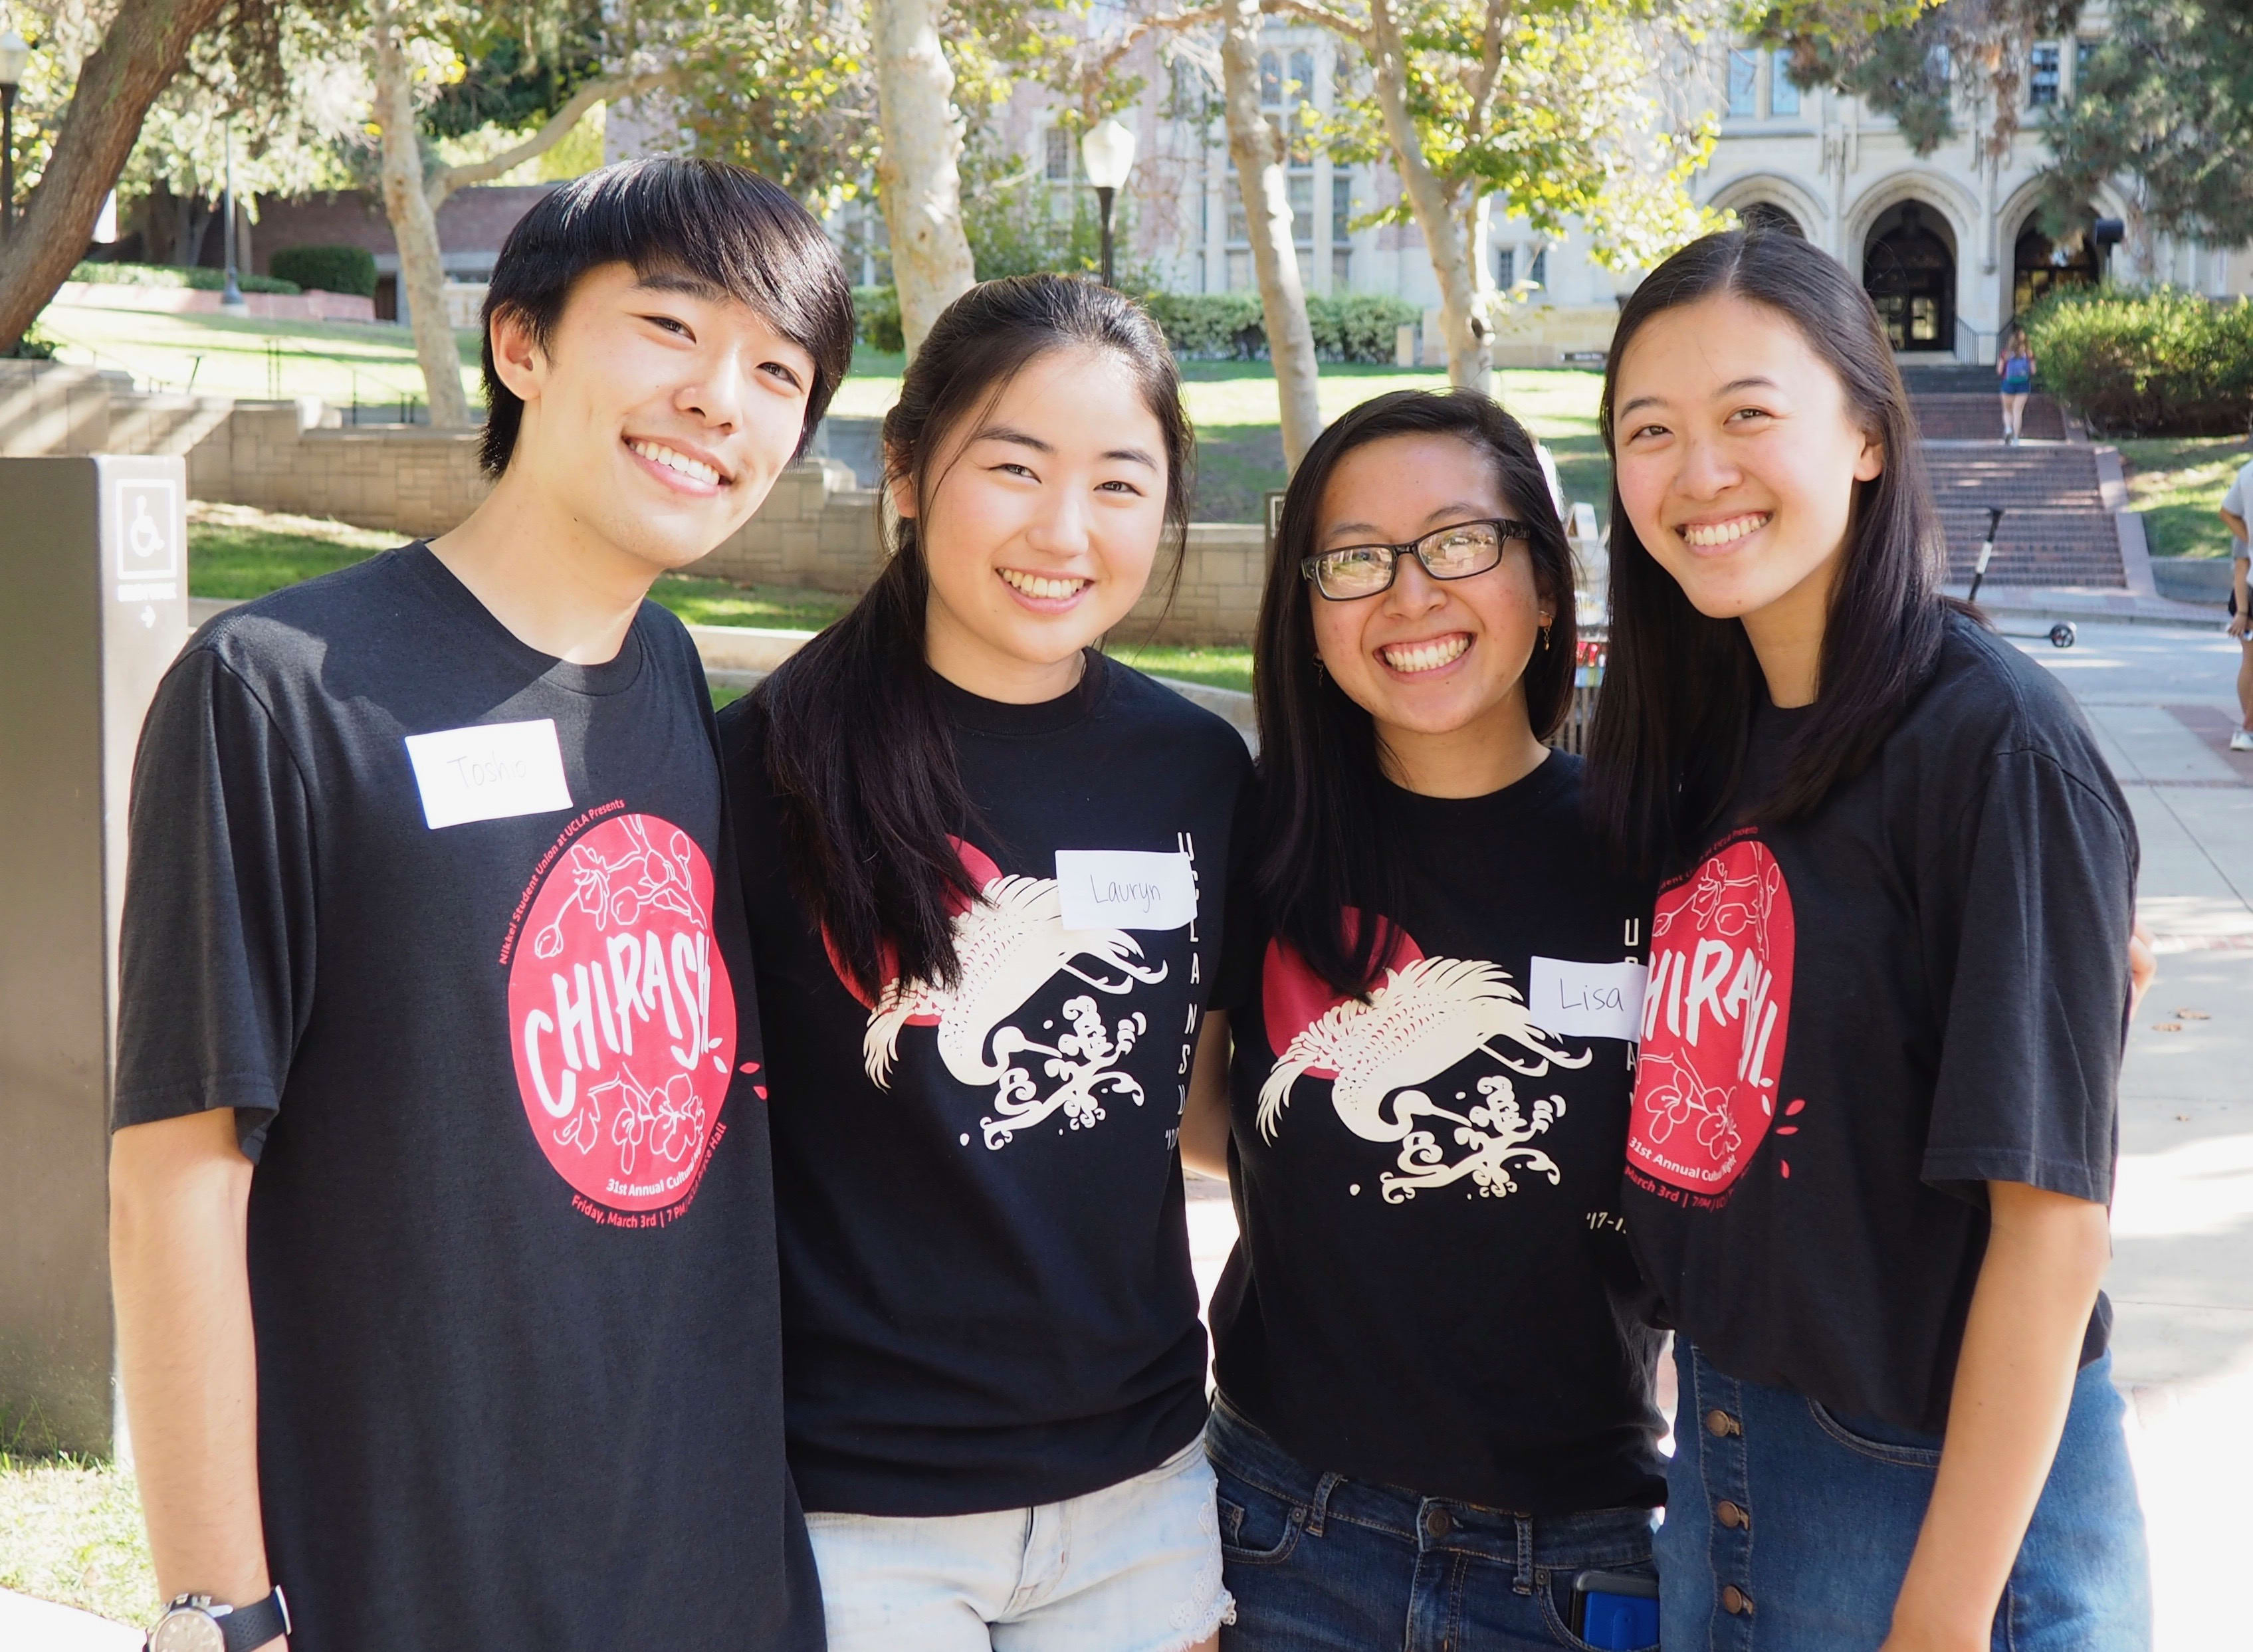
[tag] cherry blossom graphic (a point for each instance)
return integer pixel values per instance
(622, 1014)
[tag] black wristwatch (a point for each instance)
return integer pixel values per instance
(192, 1623)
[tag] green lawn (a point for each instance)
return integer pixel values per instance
(71, 1532)
(239, 553)
(2177, 482)
(1218, 668)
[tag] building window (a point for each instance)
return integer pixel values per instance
(1240, 271)
(2042, 73)
(1505, 267)
(1190, 92)
(1058, 158)
(1299, 190)
(2083, 50)
(1539, 273)
(1782, 95)
(1271, 79)
(1341, 207)
(1939, 66)
(1340, 268)
(1302, 77)
(1744, 82)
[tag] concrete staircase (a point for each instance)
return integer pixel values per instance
(2062, 497)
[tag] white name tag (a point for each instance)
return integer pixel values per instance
(1588, 1001)
(489, 772)
(1125, 890)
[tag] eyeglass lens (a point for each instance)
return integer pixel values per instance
(1453, 553)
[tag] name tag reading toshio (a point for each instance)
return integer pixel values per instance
(1588, 1001)
(1124, 889)
(489, 772)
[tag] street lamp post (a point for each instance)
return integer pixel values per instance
(231, 299)
(15, 56)
(1107, 151)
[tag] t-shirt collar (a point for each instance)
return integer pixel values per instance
(977, 715)
(612, 676)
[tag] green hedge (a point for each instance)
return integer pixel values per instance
(877, 310)
(2157, 361)
(1348, 327)
(329, 269)
(210, 281)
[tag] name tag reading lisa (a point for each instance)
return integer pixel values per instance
(1588, 1001)
(1124, 889)
(489, 772)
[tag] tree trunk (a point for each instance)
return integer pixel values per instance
(916, 169)
(143, 49)
(1258, 160)
(1469, 365)
(415, 228)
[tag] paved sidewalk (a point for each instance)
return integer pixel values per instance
(33, 1626)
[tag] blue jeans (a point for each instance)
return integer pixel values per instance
(1789, 1528)
(1318, 1563)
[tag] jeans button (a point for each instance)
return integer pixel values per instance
(1436, 1523)
(1720, 1424)
(1735, 1601)
(1730, 1515)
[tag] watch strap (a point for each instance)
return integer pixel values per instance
(247, 1627)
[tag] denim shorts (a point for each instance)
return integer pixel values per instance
(1789, 1528)
(1135, 1567)
(1318, 1563)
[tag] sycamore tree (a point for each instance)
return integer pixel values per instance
(2165, 102)
(1563, 113)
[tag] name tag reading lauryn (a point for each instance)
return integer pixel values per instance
(1124, 889)
(489, 772)
(1588, 1001)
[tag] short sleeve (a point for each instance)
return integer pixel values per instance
(216, 954)
(1242, 936)
(2028, 1088)
(2233, 500)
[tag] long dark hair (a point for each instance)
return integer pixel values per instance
(1668, 744)
(859, 748)
(1319, 763)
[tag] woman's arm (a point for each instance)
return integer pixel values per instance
(2046, 1254)
(1205, 1119)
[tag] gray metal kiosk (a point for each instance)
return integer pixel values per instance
(94, 605)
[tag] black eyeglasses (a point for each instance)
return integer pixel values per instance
(1355, 571)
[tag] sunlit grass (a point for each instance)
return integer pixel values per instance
(71, 1532)
(1216, 667)
(2177, 482)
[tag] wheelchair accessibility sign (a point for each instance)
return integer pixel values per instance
(150, 531)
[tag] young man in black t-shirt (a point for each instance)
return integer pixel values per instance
(442, 1221)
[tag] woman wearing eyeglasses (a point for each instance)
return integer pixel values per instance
(1435, 1396)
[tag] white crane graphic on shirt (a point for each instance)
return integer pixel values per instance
(1427, 1015)
(1007, 945)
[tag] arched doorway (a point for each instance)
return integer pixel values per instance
(2040, 265)
(1768, 216)
(1908, 268)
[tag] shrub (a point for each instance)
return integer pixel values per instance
(1359, 326)
(330, 269)
(2158, 361)
(34, 346)
(200, 279)
(877, 311)
(1209, 323)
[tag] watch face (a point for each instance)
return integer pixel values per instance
(187, 1630)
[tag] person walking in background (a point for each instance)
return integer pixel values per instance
(987, 868)
(1435, 1411)
(442, 1221)
(2016, 368)
(2236, 507)
(1876, 1122)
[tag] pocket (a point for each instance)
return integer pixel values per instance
(1557, 1604)
(1899, 1456)
(1256, 1528)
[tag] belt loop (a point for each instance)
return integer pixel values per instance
(1523, 1583)
(1321, 1509)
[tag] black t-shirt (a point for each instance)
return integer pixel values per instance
(511, 1231)
(1857, 1020)
(1432, 1289)
(987, 1294)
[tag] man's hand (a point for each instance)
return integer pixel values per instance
(2142, 965)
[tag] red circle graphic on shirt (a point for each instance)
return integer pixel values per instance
(1716, 1015)
(622, 1015)
(1292, 998)
(983, 871)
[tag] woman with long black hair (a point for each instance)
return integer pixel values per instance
(1874, 1129)
(1435, 1410)
(986, 868)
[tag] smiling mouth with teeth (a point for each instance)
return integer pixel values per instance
(680, 463)
(1429, 655)
(1705, 535)
(1045, 588)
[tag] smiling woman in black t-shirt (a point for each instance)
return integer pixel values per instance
(985, 869)
(1874, 1127)
(1435, 1406)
